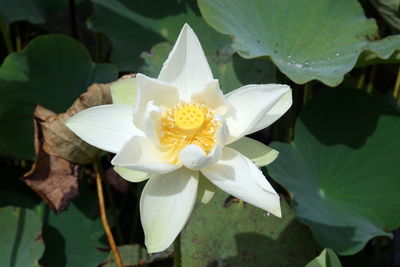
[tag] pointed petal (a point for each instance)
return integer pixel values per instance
(249, 106)
(193, 157)
(277, 110)
(165, 206)
(212, 96)
(257, 152)
(238, 176)
(159, 92)
(140, 154)
(186, 67)
(107, 127)
(131, 175)
(206, 190)
(124, 91)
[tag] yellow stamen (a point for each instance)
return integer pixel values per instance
(187, 124)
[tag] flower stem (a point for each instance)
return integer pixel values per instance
(18, 42)
(177, 252)
(370, 85)
(396, 90)
(5, 31)
(361, 80)
(103, 216)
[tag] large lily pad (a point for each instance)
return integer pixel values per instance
(342, 168)
(238, 234)
(21, 243)
(306, 39)
(73, 237)
(135, 26)
(20, 10)
(231, 70)
(42, 75)
(386, 50)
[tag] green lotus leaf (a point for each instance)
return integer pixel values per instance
(73, 237)
(342, 168)
(237, 234)
(135, 26)
(21, 243)
(20, 10)
(381, 51)
(304, 43)
(42, 75)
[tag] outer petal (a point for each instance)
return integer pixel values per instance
(257, 152)
(149, 89)
(107, 127)
(186, 67)
(238, 176)
(140, 154)
(212, 96)
(250, 104)
(131, 175)
(165, 206)
(124, 91)
(277, 110)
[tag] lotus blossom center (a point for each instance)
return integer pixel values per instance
(187, 124)
(189, 118)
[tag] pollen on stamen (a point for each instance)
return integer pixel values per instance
(187, 124)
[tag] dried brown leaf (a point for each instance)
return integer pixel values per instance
(54, 174)
(52, 177)
(58, 139)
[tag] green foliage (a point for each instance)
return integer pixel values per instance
(327, 258)
(304, 43)
(21, 243)
(381, 51)
(72, 238)
(20, 10)
(341, 169)
(134, 27)
(238, 234)
(43, 75)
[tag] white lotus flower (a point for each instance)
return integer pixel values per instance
(182, 125)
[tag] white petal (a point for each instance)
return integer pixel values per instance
(277, 110)
(131, 175)
(212, 96)
(165, 206)
(238, 176)
(249, 105)
(107, 127)
(124, 91)
(206, 190)
(140, 154)
(152, 122)
(193, 157)
(257, 152)
(222, 132)
(186, 67)
(149, 89)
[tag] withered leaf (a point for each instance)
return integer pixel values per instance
(58, 139)
(52, 177)
(54, 174)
